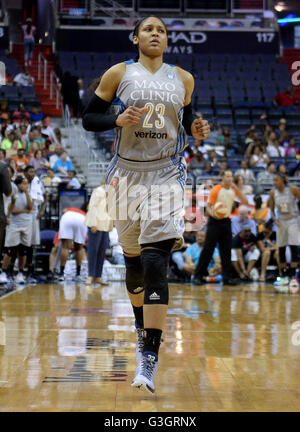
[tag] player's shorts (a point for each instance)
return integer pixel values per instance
(249, 256)
(72, 227)
(16, 235)
(36, 238)
(146, 200)
(288, 233)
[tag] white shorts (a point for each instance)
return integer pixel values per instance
(18, 235)
(288, 233)
(72, 227)
(250, 256)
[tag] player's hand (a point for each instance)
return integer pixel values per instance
(200, 129)
(94, 229)
(131, 116)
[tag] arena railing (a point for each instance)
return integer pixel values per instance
(42, 69)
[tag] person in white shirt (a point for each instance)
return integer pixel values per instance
(99, 223)
(273, 148)
(74, 183)
(116, 249)
(23, 79)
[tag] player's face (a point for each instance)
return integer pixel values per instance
(227, 178)
(278, 181)
(152, 37)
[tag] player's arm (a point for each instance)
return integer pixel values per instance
(198, 127)
(295, 191)
(240, 194)
(95, 116)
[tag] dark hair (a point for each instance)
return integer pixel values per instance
(137, 26)
(258, 201)
(283, 177)
(269, 225)
(19, 179)
(10, 168)
(270, 163)
(3, 151)
(38, 150)
(26, 169)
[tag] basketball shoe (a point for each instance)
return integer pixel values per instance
(147, 370)
(139, 349)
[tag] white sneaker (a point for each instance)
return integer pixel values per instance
(3, 278)
(20, 279)
(281, 284)
(147, 371)
(294, 286)
(254, 275)
(139, 350)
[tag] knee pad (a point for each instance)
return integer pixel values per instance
(282, 258)
(155, 264)
(134, 275)
(294, 253)
(77, 246)
(165, 245)
(24, 250)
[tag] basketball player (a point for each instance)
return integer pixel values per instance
(284, 198)
(153, 114)
(219, 230)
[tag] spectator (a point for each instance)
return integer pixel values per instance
(240, 182)
(5, 115)
(268, 249)
(20, 115)
(28, 34)
(7, 142)
(32, 149)
(62, 165)
(52, 179)
(13, 151)
(246, 172)
(56, 155)
(47, 130)
(259, 158)
(74, 183)
(285, 99)
(213, 136)
(267, 176)
(242, 220)
(213, 157)
(192, 255)
(21, 159)
(24, 79)
(251, 137)
(282, 169)
(36, 115)
(69, 87)
(116, 249)
(244, 251)
(208, 171)
(196, 163)
(223, 168)
(58, 138)
(38, 138)
(273, 148)
(24, 130)
(282, 132)
(261, 213)
(2, 155)
(292, 150)
(39, 163)
(12, 164)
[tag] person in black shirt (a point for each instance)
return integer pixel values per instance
(244, 251)
(69, 87)
(5, 188)
(267, 245)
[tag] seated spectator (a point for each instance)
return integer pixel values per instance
(251, 137)
(192, 255)
(63, 165)
(273, 148)
(226, 140)
(285, 99)
(23, 79)
(12, 164)
(2, 155)
(283, 135)
(20, 159)
(244, 251)
(223, 168)
(37, 136)
(213, 138)
(291, 150)
(13, 151)
(196, 163)
(20, 115)
(267, 130)
(36, 115)
(74, 183)
(4, 113)
(47, 129)
(24, 130)
(212, 157)
(261, 212)
(240, 182)
(282, 169)
(7, 142)
(246, 172)
(268, 175)
(194, 216)
(242, 220)
(52, 179)
(39, 163)
(55, 156)
(207, 171)
(268, 249)
(59, 140)
(32, 149)
(259, 158)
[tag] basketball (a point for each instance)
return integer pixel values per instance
(220, 210)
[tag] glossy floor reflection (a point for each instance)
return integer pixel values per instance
(72, 348)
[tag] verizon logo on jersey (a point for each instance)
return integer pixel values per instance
(151, 134)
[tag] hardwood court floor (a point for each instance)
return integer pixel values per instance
(72, 348)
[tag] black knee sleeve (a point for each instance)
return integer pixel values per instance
(294, 253)
(155, 264)
(25, 250)
(282, 257)
(134, 275)
(12, 252)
